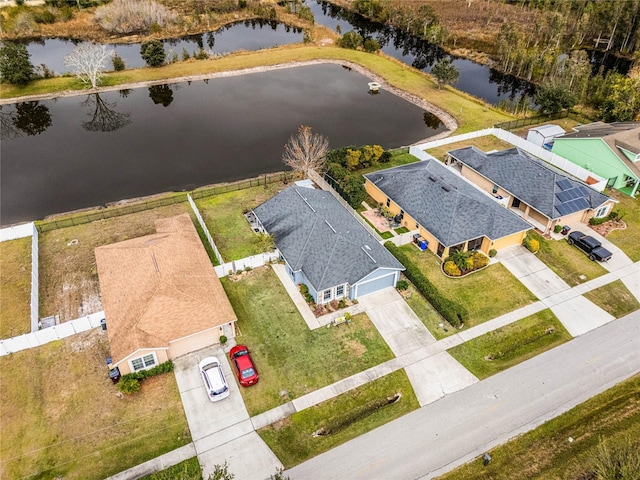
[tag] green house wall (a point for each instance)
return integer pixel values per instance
(595, 155)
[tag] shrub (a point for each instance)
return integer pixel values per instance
(350, 40)
(493, 252)
(371, 45)
(118, 63)
(185, 55)
(479, 260)
(223, 339)
(201, 54)
(598, 221)
(557, 229)
(152, 52)
(45, 16)
(531, 244)
(129, 385)
(342, 303)
(402, 285)
(453, 312)
(385, 157)
(451, 269)
(303, 288)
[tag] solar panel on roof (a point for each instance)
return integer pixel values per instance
(564, 184)
(581, 204)
(563, 196)
(584, 190)
(564, 209)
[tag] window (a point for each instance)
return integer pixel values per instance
(516, 202)
(602, 211)
(475, 244)
(340, 291)
(417, 225)
(326, 295)
(388, 202)
(495, 189)
(143, 363)
(440, 249)
(456, 248)
(401, 214)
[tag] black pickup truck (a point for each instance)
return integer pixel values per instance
(589, 245)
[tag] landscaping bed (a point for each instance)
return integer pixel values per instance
(512, 344)
(614, 298)
(293, 360)
(68, 273)
(547, 452)
(486, 294)
(567, 261)
(347, 416)
(223, 215)
(15, 287)
(66, 419)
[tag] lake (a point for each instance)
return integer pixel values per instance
(76, 152)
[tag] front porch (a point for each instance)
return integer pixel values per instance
(538, 225)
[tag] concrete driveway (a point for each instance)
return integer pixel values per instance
(221, 430)
(533, 273)
(618, 260)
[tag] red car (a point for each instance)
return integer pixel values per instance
(241, 360)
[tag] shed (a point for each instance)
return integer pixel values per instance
(544, 134)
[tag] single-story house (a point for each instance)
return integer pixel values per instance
(544, 135)
(447, 210)
(324, 247)
(541, 194)
(161, 296)
(611, 150)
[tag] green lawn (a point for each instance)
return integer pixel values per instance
(427, 314)
(292, 441)
(187, 470)
(486, 294)
(507, 346)
(614, 298)
(288, 355)
(61, 417)
(223, 215)
(15, 287)
(486, 144)
(397, 160)
(567, 261)
(546, 453)
(627, 240)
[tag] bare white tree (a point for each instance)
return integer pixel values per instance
(88, 62)
(306, 151)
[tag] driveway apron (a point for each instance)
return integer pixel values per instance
(403, 331)
(618, 260)
(221, 430)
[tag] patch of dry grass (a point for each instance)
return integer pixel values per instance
(61, 416)
(15, 287)
(486, 144)
(68, 273)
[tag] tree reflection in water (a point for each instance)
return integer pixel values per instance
(161, 94)
(29, 118)
(104, 117)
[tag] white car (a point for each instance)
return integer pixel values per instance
(213, 378)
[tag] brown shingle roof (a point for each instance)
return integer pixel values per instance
(159, 288)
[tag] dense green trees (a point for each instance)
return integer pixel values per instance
(15, 66)
(445, 73)
(153, 53)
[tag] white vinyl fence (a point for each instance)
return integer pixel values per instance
(17, 231)
(254, 261)
(562, 163)
(46, 335)
(205, 229)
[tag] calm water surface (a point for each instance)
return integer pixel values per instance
(84, 151)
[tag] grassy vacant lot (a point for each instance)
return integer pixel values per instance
(15, 287)
(223, 215)
(427, 314)
(292, 441)
(507, 346)
(566, 261)
(68, 273)
(61, 417)
(486, 294)
(627, 240)
(545, 451)
(288, 355)
(471, 113)
(614, 298)
(486, 144)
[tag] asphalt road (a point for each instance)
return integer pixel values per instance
(440, 436)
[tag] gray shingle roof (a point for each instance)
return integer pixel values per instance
(547, 190)
(317, 235)
(446, 204)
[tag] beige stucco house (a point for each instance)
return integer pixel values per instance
(161, 296)
(539, 193)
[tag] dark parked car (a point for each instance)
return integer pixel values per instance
(590, 246)
(245, 370)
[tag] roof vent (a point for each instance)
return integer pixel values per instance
(368, 254)
(432, 178)
(446, 188)
(333, 229)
